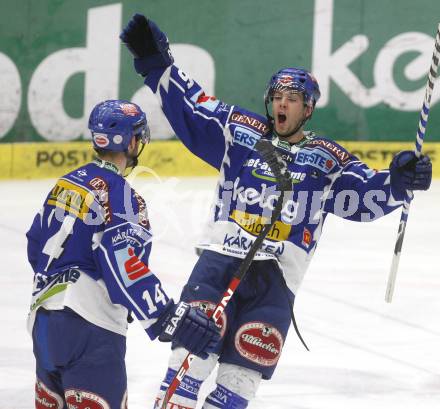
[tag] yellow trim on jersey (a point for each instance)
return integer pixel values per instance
(254, 224)
(71, 198)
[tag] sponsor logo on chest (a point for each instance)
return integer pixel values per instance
(339, 153)
(245, 137)
(261, 170)
(316, 158)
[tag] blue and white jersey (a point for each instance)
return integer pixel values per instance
(325, 177)
(89, 248)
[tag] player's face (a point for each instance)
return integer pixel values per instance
(288, 111)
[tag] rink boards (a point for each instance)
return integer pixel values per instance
(38, 160)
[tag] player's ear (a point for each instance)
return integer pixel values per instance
(132, 144)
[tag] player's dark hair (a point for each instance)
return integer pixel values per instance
(104, 153)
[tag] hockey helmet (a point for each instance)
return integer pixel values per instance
(294, 79)
(114, 122)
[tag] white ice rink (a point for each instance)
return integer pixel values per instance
(365, 354)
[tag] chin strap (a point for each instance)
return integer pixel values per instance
(132, 161)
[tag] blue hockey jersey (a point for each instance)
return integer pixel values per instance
(325, 177)
(89, 248)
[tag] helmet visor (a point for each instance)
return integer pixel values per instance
(142, 133)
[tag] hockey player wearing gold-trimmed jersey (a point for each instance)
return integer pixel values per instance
(89, 248)
(325, 179)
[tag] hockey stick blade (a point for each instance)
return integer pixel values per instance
(266, 149)
(423, 119)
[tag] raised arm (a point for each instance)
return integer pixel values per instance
(199, 120)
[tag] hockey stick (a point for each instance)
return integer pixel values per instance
(418, 151)
(278, 167)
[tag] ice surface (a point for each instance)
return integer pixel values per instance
(364, 353)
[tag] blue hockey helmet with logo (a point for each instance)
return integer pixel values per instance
(113, 123)
(294, 79)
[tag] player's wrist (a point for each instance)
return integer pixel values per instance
(174, 321)
(156, 329)
(171, 320)
(145, 65)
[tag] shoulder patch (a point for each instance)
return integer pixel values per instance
(143, 213)
(247, 120)
(200, 99)
(100, 188)
(131, 267)
(71, 197)
(342, 156)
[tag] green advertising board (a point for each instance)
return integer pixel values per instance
(371, 58)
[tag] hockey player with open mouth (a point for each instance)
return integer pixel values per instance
(89, 248)
(325, 178)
